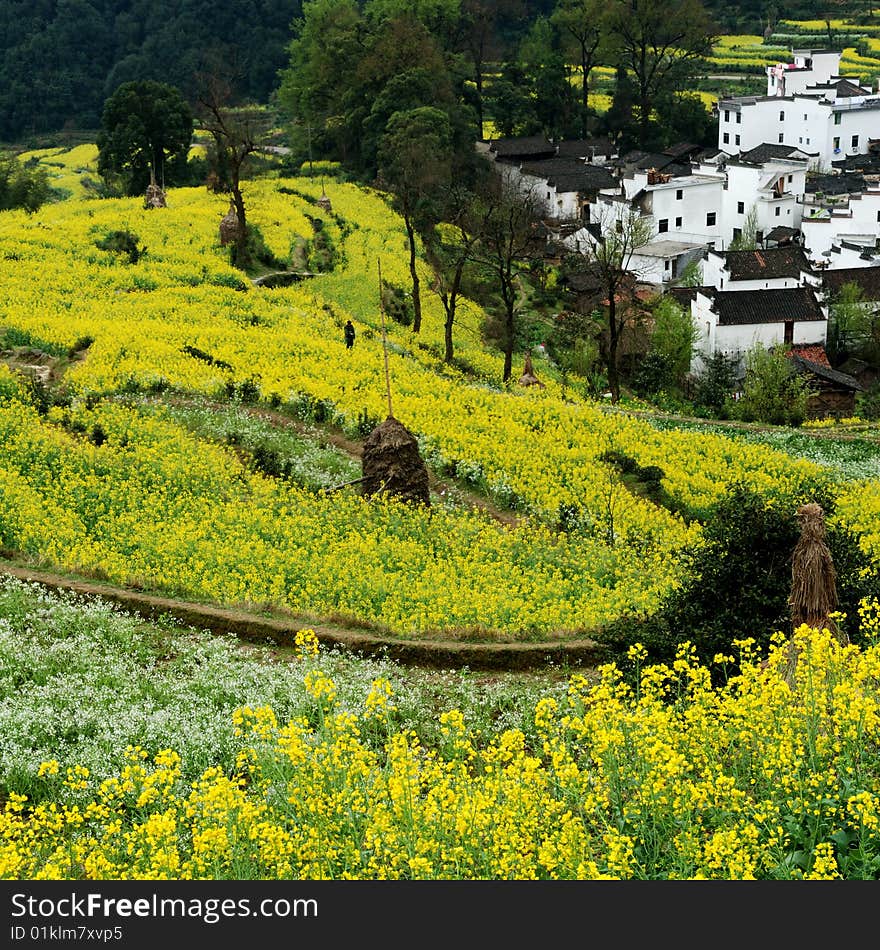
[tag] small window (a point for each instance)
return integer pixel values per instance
(800, 140)
(805, 117)
(837, 143)
(855, 141)
(710, 219)
(739, 118)
(878, 215)
(727, 115)
(548, 195)
(790, 176)
(665, 265)
(726, 137)
(782, 117)
(789, 331)
(740, 207)
(663, 225)
(777, 209)
(737, 233)
(781, 137)
(618, 225)
(736, 140)
(759, 237)
(679, 194)
(678, 222)
(808, 141)
(837, 117)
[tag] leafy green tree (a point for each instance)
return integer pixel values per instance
(850, 322)
(716, 384)
(661, 43)
(683, 117)
(773, 391)
(672, 341)
(546, 73)
(415, 163)
(146, 128)
(22, 187)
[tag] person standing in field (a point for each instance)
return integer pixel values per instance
(349, 334)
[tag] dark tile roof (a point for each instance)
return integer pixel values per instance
(767, 152)
(527, 146)
(740, 307)
(868, 164)
(781, 233)
(766, 264)
(867, 279)
(846, 89)
(569, 174)
(825, 373)
(584, 148)
(840, 184)
(684, 295)
(682, 150)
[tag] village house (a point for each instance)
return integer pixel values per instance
(854, 220)
(733, 321)
(809, 105)
(761, 269)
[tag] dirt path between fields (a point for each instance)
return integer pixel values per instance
(255, 627)
(354, 449)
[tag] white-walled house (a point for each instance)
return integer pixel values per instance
(771, 187)
(563, 187)
(777, 268)
(808, 104)
(854, 222)
(733, 321)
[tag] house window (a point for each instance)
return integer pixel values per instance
(782, 117)
(878, 215)
(837, 144)
(726, 137)
(618, 226)
(736, 140)
(678, 222)
(837, 117)
(805, 117)
(737, 233)
(739, 118)
(679, 194)
(548, 195)
(790, 177)
(781, 137)
(788, 332)
(663, 225)
(777, 210)
(808, 141)
(710, 219)
(665, 265)
(855, 141)
(727, 115)
(759, 237)
(740, 207)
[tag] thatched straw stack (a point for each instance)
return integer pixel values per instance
(229, 225)
(813, 577)
(391, 463)
(813, 580)
(528, 377)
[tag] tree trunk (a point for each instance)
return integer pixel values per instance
(585, 96)
(613, 340)
(241, 236)
(414, 274)
(478, 82)
(447, 328)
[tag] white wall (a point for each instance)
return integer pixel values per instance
(857, 222)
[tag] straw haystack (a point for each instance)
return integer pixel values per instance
(155, 195)
(392, 464)
(528, 377)
(813, 576)
(229, 225)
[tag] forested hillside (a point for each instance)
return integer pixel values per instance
(60, 59)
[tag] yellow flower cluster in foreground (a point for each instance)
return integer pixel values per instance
(772, 776)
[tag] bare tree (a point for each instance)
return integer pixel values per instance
(622, 231)
(507, 242)
(238, 133)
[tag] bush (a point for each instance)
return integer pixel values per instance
(256, 251)
(773, 391)
(122, 242)
(739, 579)
(715, 385)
